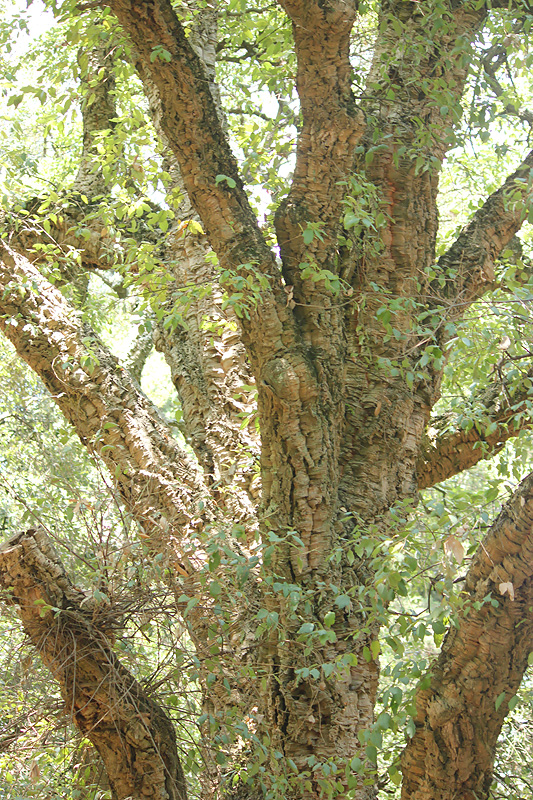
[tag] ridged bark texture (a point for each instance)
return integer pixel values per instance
(480, 667)
(135, 738)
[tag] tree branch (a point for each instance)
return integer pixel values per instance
(133, 735)
(332, 127)
(140, 349)
(69, 229)
(157, 480)
(98, 112)
(183, 108)
(468, 265)
(499, 416)
(213, 379)
(201, 341)
(408, 134)
(480, 667)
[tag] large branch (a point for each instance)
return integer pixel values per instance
(70, 233)
(332, 127)
(403, 163)
(482, 661)
(468, 265)
(158, 481)
(183, 108)
(133, 735)
(497, 416)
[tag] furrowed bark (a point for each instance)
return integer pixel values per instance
(332, 127)
(480, 667)
(160, 484)
(288, 383)
(134, 736)
(386, 409)
(310, 446)
(300, 407)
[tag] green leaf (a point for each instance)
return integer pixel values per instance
(220, 178)
(513, 702)
(350, 219)
(329, 619)
(307, 627)
(343, 601)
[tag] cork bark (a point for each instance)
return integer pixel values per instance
(480, 667)
(133, 735)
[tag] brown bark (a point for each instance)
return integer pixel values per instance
(332, 127)
(133, 735)
(140, 350)
(159, 482)
(480, 667)
(299, 363)
(387, 409)
(300, 401)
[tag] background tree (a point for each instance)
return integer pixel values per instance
(308, 354)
